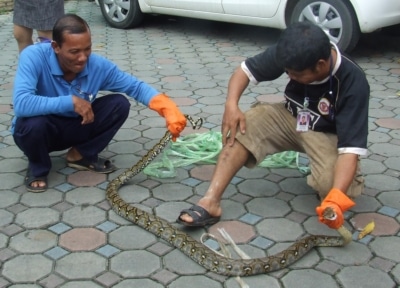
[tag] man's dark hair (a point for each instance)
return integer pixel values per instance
(68, 23)
(301, 45)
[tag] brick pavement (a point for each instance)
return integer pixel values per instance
(69, 236)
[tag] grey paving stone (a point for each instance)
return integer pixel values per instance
(352, 254)
(33, 241)
(81, 284)
(27, 268)
(363, 276)
(390, 199)
(195, 282)
(279, 230)
(396, 274)
(179, 263)
(10, 180)
(372, 167)
(393, 163)
(145, 283)
(296, 186)
(308, 278)
(134, 264)
(387, 247)
(91, 195)
(75, 266)
(3, 241)
(366, 203)
(232, 210)
(255, 281)
(172, 192)
(258, 188)
(314, 227)
(84, 215)
(44, 199)
(37, 217)
(305, 204)
(8, 198)
(125, 147)
(382, 182)
(25, 286)
(268, 207)
(131, 237)
(385, 149)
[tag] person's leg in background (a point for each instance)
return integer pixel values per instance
(23, 35)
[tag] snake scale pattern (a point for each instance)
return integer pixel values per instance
(195, 249)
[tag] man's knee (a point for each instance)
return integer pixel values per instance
(120, 104)
(30, 125)
(29, 131)
(357, 187)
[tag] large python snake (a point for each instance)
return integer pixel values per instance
(196, 250)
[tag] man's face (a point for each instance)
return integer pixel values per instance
(307, 76)
(74, 52)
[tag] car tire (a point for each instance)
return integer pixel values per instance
(121, 14)
(345, 33)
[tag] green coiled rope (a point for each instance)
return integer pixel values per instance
(204, 148)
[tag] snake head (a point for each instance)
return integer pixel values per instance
(329, 214)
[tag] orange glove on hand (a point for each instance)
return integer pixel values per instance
(339, 202)
(167, 108)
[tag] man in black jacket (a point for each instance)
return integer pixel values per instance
(326, 87)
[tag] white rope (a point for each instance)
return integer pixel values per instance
(226, 252)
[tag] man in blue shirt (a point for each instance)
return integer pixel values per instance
(56, 107)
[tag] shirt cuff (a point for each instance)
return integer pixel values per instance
(248, 73)
(353, 150)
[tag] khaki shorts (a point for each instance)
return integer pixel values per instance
(271, 129)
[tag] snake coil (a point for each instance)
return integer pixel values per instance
(195, 249)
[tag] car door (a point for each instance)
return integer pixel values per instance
(252, 8)
(213, 6)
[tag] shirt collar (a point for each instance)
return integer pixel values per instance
(56, 69)
(334, 70)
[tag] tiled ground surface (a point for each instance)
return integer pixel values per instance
(69, 236)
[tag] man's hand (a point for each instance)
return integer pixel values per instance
(232, 120)
(338, 202)
(166, 108)
(83, 108)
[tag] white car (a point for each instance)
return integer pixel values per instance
(342, 20)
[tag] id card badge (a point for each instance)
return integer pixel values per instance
(303, 119)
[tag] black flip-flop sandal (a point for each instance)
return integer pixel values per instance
(102, 165)
(199, 215)
(29, 179)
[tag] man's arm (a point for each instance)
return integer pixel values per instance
(337, 200)
(116, 80)
(233, 117)
(345, 171)
(27, 100)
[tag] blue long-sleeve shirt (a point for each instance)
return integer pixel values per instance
(40, 89)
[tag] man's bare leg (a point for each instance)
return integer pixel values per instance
(23, 35)
(73, 155)
(230, 160)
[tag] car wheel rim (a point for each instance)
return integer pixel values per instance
(326, 17)
(117, 10)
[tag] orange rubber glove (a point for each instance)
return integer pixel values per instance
(167, 108)
(339, 202)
